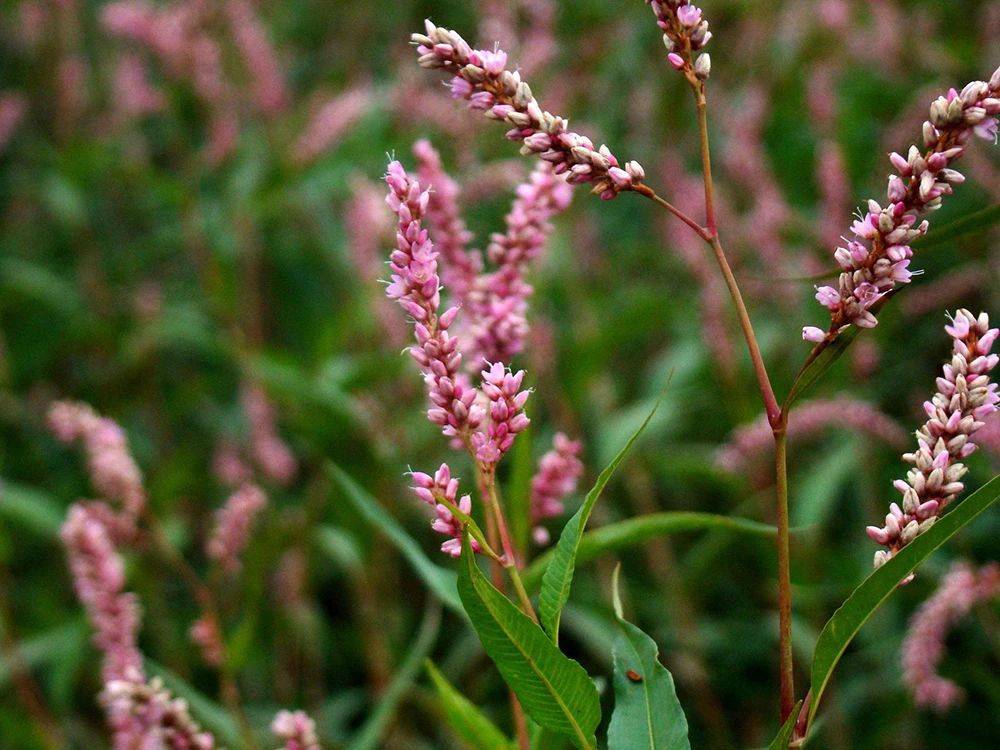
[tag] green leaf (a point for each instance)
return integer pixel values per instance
(840, 630)
(558, 576)
(785, 733)
(518, 495)
(45, 649)
(31, 508)
(371, 732)
(553, 689)
(205, 710)
(466, 720)
(817, 366)
(820, 489)
(634, 531)
(439, 580)
(647, 714)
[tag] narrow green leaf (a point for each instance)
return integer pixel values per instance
(378, 720)
(31, 508)
(466, 720)
(439, 580)
(819, 490)
(817, 367)
(785, 733)
(617, 536)
(558, 576)
(553, 689)
(840, 630)
(206, 711)
(647, 714)
(44, 649)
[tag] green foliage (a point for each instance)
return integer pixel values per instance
(465, 719)
(553, 689)
(647, 715)
(558, 575)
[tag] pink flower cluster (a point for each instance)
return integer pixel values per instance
(112, 469)
(436, 491)
(157, 719)
(684, 32)
(502, 388)
(461, 266)
(12, 110)
(296, 730)
(269, 451)
(135, 95)
(233, 522)
(878, 256)
(259, 58)
(416, 286)
(329, 122)
(498, 301)
(924, 645)
(99, 581)
(481, 77)
(965, 397)
(558, 473)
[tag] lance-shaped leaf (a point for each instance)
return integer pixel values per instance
(471, 725)
(553, 689)
(840, 630)
(785, 733)
(647, 714)
(558, 576)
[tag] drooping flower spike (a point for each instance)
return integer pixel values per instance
(877, 257)
(482, 78)
(437, 490)
(965, 397)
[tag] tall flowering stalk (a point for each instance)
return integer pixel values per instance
(482, 78)
(924, 646)
(684, 33)
(965, 397)
(877, 258)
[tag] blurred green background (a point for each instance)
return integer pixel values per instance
(150, 277)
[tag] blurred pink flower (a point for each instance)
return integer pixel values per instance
(924, 646)
(135, 96)
(558, 473)
(296, 730)
(233, 522)
(13, 107)
(259, 57)
(331, 121)
(269, 451)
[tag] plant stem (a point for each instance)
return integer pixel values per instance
(784, 573)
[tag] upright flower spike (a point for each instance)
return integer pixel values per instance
(965, 397)
(482, 78)
(461, 265)
(684, 33)
(157, 719)
(559, 470)
(99, 581)
(506, 403)
(436, 491)
(416, 287)
(233, 522)
(498, 301)
(296, 730)
(877, 257)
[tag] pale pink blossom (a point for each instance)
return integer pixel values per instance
(877, 259)
(441, 492)
(924, 646)
(482, 78)
(330, 122)
(233, 522)
(964, 398)
(296, 730)
(112, 469)
(135, 95)
(151, 718)
(272, 456)
(205, 635)
(259, 58)
(506, 414)
(753, 441)
(557, 476)
(13, 107)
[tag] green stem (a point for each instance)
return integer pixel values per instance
(784, 573)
